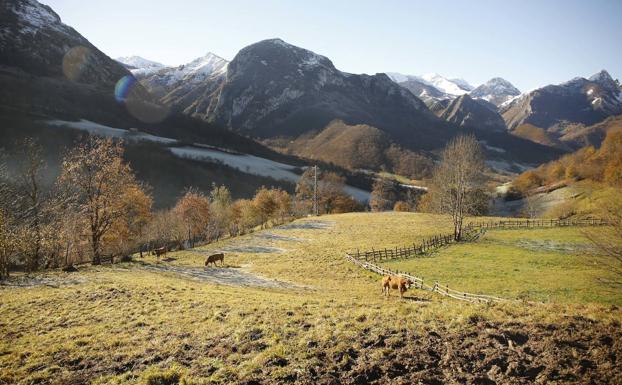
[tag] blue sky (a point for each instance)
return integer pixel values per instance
(530, 43)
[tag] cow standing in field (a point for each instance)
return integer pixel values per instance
(214, 258)
(160, 251)
(395, 283)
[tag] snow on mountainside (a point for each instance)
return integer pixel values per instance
(577, 101)
(496, 91)
(139, 66)
(431, 88)
(451, 87)
(34, 16)
(196, 71)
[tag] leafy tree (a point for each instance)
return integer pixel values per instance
(95, 179)
(401, 206)
(220, 205)
(266, 205)
(330, 191)
(193, 208)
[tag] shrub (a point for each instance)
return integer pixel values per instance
(401, 206)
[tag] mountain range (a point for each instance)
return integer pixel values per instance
(288, 98)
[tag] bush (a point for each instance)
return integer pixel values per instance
(401, 206)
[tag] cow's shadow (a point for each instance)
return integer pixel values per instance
(225, 266)
(416, 299)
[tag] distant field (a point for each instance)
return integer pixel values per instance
(550, 265)
(303, 315)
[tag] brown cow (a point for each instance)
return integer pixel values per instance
(396, 283)
(215, 257)
(160, 251)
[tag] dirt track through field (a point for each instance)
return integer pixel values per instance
(223, 276)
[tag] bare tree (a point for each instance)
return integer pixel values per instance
(382, 195)
(30, 200)
(608, 239)
(530, 206)
(7, 240)
(458, 179)
(330, 191)
(96, 179)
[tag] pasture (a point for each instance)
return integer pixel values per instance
(321, 321)
(546, 265)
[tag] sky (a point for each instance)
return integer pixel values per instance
(531, 43)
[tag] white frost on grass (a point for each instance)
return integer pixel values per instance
(243, 162)
(101, 130)
(246, 163)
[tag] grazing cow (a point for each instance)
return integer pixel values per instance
(214, 258)
(396, 283)
(160, 251)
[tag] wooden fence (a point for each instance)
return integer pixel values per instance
(471, 231)
(419, 283)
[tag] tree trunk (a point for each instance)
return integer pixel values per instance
(96, 255)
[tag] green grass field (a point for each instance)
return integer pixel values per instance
(125, 324)
(550, 265)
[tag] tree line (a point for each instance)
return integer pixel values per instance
(96, 209)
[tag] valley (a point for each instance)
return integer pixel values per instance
(310, 193)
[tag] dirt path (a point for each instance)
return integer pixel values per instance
(223, 276)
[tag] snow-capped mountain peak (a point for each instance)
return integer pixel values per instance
(451, 87)
(205, 65)
(35, 16)
(138, 62)
(497, 91)
(140, 66)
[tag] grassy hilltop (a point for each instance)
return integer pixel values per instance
(306, 315)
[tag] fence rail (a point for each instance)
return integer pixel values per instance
(419, 283)
(471, 231)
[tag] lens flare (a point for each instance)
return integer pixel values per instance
(138, 102)
(75, 62)
(123, 88)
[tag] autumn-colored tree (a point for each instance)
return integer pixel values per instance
(457, 180)
(527, 181)
(266, 204)
(246, 215)
(382, 195)
(126, 233)
(193, 208)
(401, 206)
(330, 191)
(344, 203)
(164, 228)
(613, 172)
(283, 203)
(220, 211)
(95, 179)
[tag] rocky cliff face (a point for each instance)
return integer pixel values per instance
(465, 111)
(34, 39)
(273, 88)
(496, 91)
(580, 100)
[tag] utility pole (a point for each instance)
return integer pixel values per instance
(315, 208)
